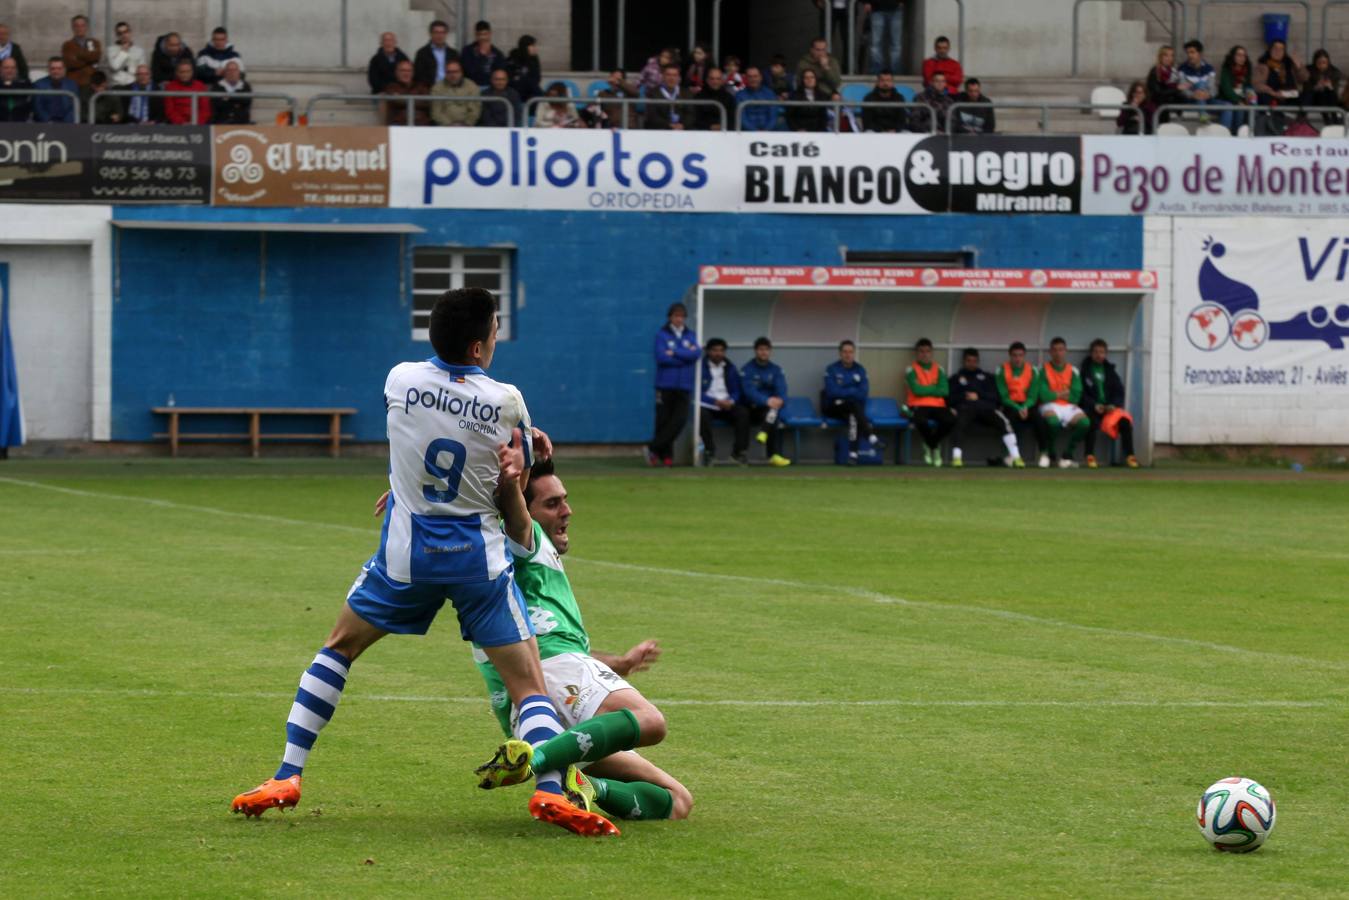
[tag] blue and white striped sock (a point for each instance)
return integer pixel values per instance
(315, 702)
(537, 724)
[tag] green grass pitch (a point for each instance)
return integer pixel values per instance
(937, 684)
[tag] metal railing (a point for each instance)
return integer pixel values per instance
(1306, 10)
(581, 102)
(837, 107)
(410, 100)
(46, 92)
(1178, 24)
(1250, 113)
(1044, 107)
(162, 96)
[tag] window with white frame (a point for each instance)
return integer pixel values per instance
(436, 270)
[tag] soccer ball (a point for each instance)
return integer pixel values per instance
(1236, 815)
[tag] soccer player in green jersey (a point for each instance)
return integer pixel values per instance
(600, 708)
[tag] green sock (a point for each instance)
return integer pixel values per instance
(633, 799)
(1078, 432)
(593, 739)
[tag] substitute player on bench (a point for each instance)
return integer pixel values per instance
(1060, 393)
(441, 540)
(1103, 402)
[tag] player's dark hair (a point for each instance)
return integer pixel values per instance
(1017, 345)
(1058, 340)
(846, 343)
(1099, 342)
(713, 343)
(674, 308)
(970, 351)
(922, 342)
(459, 318)
(762, 342)
(541, 469)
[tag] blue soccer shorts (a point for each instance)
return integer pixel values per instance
(491, 613)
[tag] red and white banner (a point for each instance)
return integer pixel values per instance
(929, 278)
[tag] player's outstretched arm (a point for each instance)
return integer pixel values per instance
(638, 659)
(511, 497)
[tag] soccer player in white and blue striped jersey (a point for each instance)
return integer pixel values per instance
(449, 425)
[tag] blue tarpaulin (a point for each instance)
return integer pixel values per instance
(11, 409)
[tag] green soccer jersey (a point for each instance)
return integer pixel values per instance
(552, 609)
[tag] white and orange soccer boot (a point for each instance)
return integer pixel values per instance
(270, 794)
(556, 809)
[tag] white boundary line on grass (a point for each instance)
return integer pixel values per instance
(151, 693)
(860, 593)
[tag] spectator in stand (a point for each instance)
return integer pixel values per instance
(735, 79)
(124, 58)
(55, 108)
(234, 108)
(214, 56)
(695, 76)
(403, 85)
(885, 16)
(1278, 80)
(619, 115)
(809, 118)
(380, 72)
(429, 65)
(556, 114)
(974, 121)
(1323, 85)
(11, 50)
(714, 89)
(107, 111)
(720, 401)
(938, 102)
(1103, 402)
(926, 392)
(844, 397)
(652, 74)
(765, 389)
(837, 29)
(778, 78)
(456, 113)
(1137, 119)
(14, 107)
(1234, 86)
(1164, 81)
(757, 118)
(941, 62)
(667, 116)
(81, 54)
(884, 119)
(974, 400)
(526, 74)
(481, 57)
(496, 115)
(827, 72)
(169, 52)
(676, 350)
(1198, 78)
(178, 110)
(145, 108)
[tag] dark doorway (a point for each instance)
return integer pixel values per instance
(651, 26)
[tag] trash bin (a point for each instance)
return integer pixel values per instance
(1276, 27)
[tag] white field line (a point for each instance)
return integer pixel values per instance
(917, 703)
(860, 593)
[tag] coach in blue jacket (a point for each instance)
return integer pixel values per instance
(765, 391)
(845, 396)
(720, 402)
(677, 351)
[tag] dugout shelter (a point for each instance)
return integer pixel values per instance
(807, 310)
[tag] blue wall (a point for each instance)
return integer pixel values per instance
(188, 318)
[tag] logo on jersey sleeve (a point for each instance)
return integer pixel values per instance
(542, 619)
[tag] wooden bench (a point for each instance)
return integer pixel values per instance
(255, 435)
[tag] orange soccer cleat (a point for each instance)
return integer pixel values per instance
(556, 810)
(271, 793)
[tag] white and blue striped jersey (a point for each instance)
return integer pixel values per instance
(444, 424)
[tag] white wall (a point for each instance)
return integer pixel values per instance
(61, 300)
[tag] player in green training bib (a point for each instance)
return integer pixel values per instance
(588, 687)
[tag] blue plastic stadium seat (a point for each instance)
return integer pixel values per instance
(885, 415)
(855, 93)
(573, 89)
(906, 92)
(593, 89)
(799, 412)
